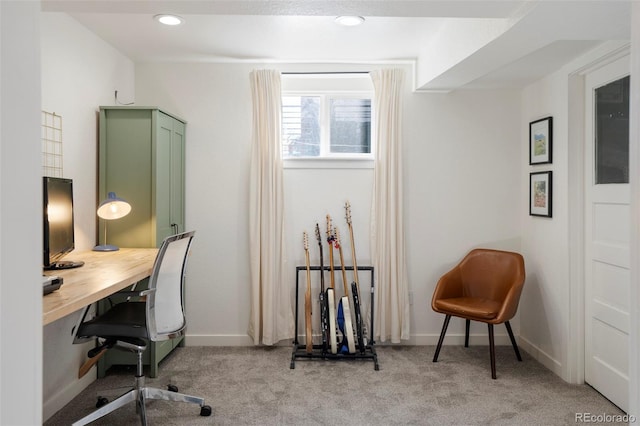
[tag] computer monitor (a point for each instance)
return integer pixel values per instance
(58, 235)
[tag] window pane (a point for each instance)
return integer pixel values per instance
(350, 126)
(612, 132)
(300, 126)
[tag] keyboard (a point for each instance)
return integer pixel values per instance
(50, 283)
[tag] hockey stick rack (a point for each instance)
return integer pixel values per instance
(321, 352)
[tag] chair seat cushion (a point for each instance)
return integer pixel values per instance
(126, 319)
(469, 307)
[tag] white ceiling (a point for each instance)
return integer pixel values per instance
(454, 44)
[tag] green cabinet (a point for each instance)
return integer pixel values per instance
(141, 159)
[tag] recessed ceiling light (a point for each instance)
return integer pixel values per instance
(349, 21)
(169, 19)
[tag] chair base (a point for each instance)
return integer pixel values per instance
(492, 350)
(140, 395)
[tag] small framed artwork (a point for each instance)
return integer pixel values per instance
(540, 185)
(541, 141)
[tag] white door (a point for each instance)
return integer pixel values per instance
(607, 225)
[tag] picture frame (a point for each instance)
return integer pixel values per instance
(541, 141)
(540, 193)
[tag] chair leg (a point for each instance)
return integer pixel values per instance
(466, 333)
(110, 407)
(513, 340)
(154, 393)
(141, 408)
(492, 351)
(442, 333)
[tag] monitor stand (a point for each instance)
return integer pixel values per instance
(64, 264)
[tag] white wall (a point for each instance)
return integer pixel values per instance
(20, 217)
(550, 304)
(544, 323)
(463, 189)
(462, 177)
(80, 73)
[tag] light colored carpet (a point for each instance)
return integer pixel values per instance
(255, 386)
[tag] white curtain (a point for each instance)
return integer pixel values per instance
(387, 225)
(271, 317)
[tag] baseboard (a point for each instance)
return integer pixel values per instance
(414, 340)
(456, 339)
(66, 394)
(217, 340)
(542, 357)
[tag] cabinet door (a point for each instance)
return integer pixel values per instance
(177, 176)
(126, 169)
(169, 190)
(162, 188)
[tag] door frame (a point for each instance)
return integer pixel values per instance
(575, 354)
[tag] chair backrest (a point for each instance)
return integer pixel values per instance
(165, 304)
(492, 274)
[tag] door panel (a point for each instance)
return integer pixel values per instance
(607, 224)
(163, 178)
(177, 176)
(127, 172)
(610, 367)
(617, 293)
(611, 223)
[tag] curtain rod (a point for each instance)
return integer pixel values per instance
(326, 72)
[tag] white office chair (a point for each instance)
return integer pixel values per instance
(129, 324)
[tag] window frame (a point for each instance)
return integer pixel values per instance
(336, 159)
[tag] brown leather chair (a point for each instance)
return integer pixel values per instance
(485, 286)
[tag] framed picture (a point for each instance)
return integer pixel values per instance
(540, 189)
(541, 141)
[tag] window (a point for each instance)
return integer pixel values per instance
(300, 126)
(350, 125)
(326, 125)
(612, 132)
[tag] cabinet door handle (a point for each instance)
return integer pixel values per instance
(174, 227)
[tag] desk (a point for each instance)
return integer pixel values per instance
(103, 274)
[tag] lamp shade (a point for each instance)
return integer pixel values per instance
(113, 207)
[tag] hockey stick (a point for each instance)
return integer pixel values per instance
(355, 286)
(84, 368)
(331, 303)
(324, 323)
(307, 297)
(344, 310)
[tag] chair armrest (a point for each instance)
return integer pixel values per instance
(511, 301)
(139, 293)
(448, 286)
(131, 294)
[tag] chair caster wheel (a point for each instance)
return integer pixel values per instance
(172, 388)
(205, 410)
(102, 401)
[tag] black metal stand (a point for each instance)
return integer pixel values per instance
(320, 351)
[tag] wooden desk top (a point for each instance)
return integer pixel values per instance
(103, 274)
